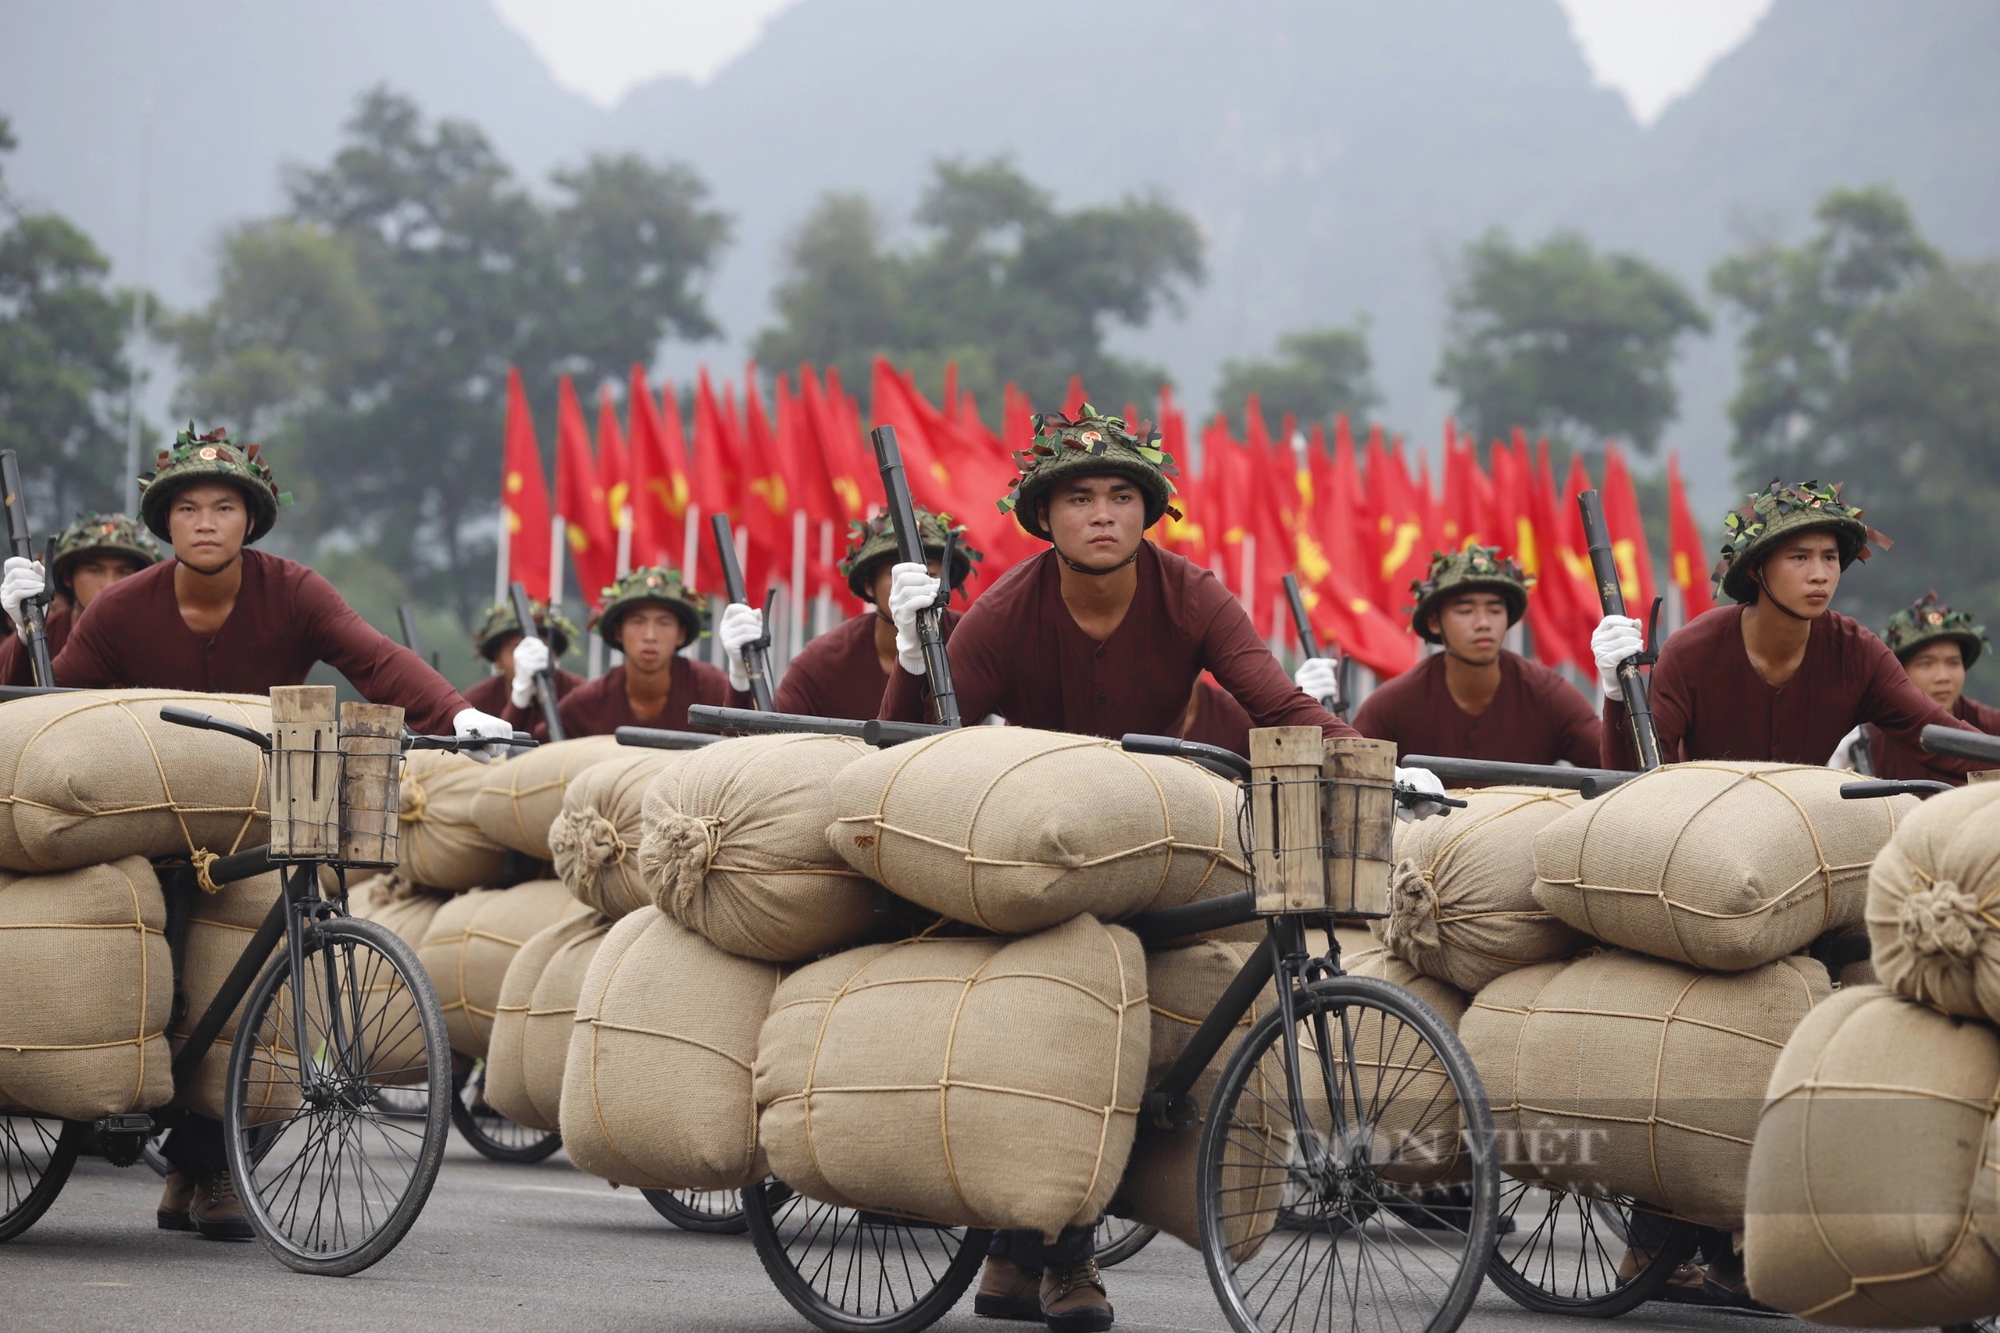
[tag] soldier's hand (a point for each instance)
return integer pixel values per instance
(1615, 639)
(740, 626)
(1319, 678)
(531, 658)
(912, 588)
(21, 581)
(471, 724)
(1425, 781)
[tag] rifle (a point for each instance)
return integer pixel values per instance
(1339, 702)
(910, 551)
(406, 620)
(545, 682)
(749, 722)
(1604, 565)
(1592, 782)
(756, 662)
(22, 543)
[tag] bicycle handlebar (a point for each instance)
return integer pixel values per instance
(1214, 758)
(653, 738)
(1962, 744)
(187, 717)
(1877, 787)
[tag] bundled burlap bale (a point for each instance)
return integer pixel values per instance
(220, 926)
(595, 839)
(1015, 830)
(439, 845)
(657, 1084)
(96, 775)
(1491, 1029)
(1719, 866)
(471, 941)
(86, 988)
(1934, 904)
(1462, 896)
(518, 800)
(390, 900)
(532, 1022)
(1871, 1199)
(735, 847)
(1644, 1078)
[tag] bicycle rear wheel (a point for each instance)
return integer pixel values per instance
(331, 1182)
(36, 1154)
(1567, 1254)
(1391, 1107)
(492, 1135)
(1118, 1239)
(713, 1212)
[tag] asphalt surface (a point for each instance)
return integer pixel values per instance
(519, 1247)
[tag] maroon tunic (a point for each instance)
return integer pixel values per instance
(599, 707)
(1895, 759)
(1536, 716)
(491, 694)
(1218, 720)
(286, 620)
(15, 666)
(1710, 703)
(1020, 653)
(839, 673)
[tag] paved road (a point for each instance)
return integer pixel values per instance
(511, 1248)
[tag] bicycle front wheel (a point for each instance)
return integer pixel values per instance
(1390, 1112)
(36, 1154)
(1572, 1255)
(330, 1179)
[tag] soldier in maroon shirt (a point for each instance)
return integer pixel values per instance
(1214, 718)
(1476, 700)
(495, 640)
(1936, 646)
(92, 553)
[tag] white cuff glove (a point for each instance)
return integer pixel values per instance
(471, 724)
(1318, 677)
(912, 588)
(1424, 781)
(740, 625)
(531, 658)
(1615, 639)
(1843, 753)
(21, 580)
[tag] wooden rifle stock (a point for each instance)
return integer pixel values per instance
(22, 543)
(545, 684)
(1604, 567)
(910, 551)
(756, 659)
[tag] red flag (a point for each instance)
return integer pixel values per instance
(659, 476)
(1687, 553)
(1628, 535)
(836, 426)
(580, 499)
(1574, 559)
(767, 493)
(524, 496)
(1188, 535)
(1403, 550)
(614, 465)
(1328, 559)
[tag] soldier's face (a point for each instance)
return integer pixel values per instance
(649, 636)
(1804, 573)
(503, 656)
(1096, 521)
(208, 523)
(1938, 669)
(1472, 626)
(92, 574)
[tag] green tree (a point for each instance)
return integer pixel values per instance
(1569, 343)
(64, 378)
(1318, 374)
(1004, 282)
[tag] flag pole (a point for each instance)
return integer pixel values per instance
(556, 530)
(502, 550)
(797, 600)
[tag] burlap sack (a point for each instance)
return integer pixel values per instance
(1644, 1078)
(92, 776)
(390, 900)
(518, 801)
(1462, 896)
(220, 925)
(657, 1084)
(735, 847)
(86, 987)
(1871, 1183)
(595, 840)
(1720, 866)
(1934, 904)
(471, 941)
(972, 1082)
(440, 846)
(1015, 830)
(1491, 1029)
(532, 1022)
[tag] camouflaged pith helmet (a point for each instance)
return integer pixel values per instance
(1779, 511)
(107, 534)
(501, 624)
(1927, 620)
(211, 457)
(650, 583)
(1090, 445)
(870, 543)
(1475, 569)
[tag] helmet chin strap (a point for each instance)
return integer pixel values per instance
(1097, 573)
(1765, 588)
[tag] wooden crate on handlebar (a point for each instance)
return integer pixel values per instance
(1322, 814)
(334, 771)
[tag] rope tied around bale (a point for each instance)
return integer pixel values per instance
(202, 859)
(1943, 921)
(675, 857)
(1413, 909)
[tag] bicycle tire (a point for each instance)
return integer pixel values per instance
(372, 1020)
(492, 1135)
(1118, 1239)
(708, 1212)
(810, 1249)
(35, 1162)
(1352, 1035)
(1560, 1264)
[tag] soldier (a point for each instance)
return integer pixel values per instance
(223, 618)
(1474, 700)
(1936, 646)
(1102, 634)
(649, 615)
(93, 553)
(498, 633)
(1214, 718)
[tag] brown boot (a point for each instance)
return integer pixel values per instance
(217, 1212)
(173, 1213)
(1008, 1291)
(1073, 1298)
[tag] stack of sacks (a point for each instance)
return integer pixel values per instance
(390, 900)
(1874, 1194)
(439, 845)
(220, 925)
(514, 804)
(595, 839)
(470, 942)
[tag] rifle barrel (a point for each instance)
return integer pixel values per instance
(22, 542)
(545, 684)
(756, 662)
(1961, 744)
(1631, 681)
(910, 549)
(1590, 781)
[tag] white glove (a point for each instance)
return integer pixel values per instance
(471, 724)
(740, 625)
(1318, 677)
(1843, 753)
(1424, 781)
(21, 580)
(912, 588)
(1615, 639)
(531, 658)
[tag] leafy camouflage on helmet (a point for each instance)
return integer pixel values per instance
(1927, 620)
(501, 624)
(1093, 443)
(211, 457)
(650, 583)
(1779, 511)
(870, 543)
(110, 534)
(1474, 569)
